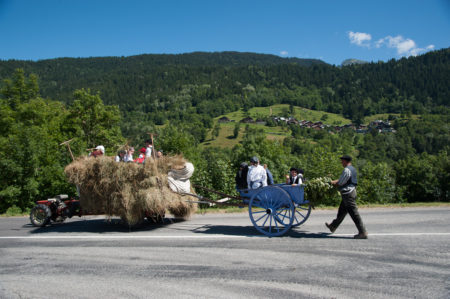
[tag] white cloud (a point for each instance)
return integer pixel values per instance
(284, 53)
(360, 38)
(404, 46)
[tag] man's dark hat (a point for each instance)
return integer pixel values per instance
(254, 159)
(346, 158)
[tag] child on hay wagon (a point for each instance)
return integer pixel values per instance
(129, 155)
(121, 156)
(148, 148)
(141, 157)
(159, 154)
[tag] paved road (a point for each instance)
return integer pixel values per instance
(222, 256)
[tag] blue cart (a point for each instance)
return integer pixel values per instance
(273, 210)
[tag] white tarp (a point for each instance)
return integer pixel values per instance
(179, 178)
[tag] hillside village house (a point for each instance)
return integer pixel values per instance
(381, 126)
(247, 120)
(224, 120)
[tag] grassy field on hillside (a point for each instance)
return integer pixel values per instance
(225, 138)
(300, 114)
(283, 110)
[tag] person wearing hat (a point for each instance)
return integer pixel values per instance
(98, 151)
(241, 176)
(257, 175)
(295, 177)
(347, 187)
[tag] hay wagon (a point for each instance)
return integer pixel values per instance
(135, 192)
(273, 210)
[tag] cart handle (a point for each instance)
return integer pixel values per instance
(218, 192)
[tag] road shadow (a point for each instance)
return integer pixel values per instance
(309, 235)
(250, 231)
(99, 226)
(115, 225)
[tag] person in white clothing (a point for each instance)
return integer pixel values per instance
(257, 175)
(129, 155)
(121, 156)
(148, 148)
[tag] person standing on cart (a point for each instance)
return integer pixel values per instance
(347, 187)
(257, 175)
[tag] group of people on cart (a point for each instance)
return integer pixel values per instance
(128, 154)
(255, 175)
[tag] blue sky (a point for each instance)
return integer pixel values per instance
(323, 29)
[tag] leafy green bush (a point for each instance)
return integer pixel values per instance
(14, 211)
(376, 184)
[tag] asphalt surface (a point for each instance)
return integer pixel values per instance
(407, 255)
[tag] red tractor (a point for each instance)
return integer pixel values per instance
(55, 209)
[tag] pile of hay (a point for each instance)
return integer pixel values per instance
(128, 190)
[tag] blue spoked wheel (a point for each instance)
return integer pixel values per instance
(302, 212)
(271, 211)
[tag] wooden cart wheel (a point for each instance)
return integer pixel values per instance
(271, 211)
(302, 212)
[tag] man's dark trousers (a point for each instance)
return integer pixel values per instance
(348, 205)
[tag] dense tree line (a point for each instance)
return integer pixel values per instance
(168, 87)
(32, 129)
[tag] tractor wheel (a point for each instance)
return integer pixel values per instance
(40, 215)
(156, 218)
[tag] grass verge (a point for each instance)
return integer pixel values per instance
(14, 212)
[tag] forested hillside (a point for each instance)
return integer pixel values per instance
(113, 101)
(217, 83)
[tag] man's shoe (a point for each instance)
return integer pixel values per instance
(330, 227)
(363, 235)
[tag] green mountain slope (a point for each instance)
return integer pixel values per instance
(165, 87)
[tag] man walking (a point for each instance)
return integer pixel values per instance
(347, 187)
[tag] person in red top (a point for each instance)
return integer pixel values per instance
(141, 157)
(99, 151)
